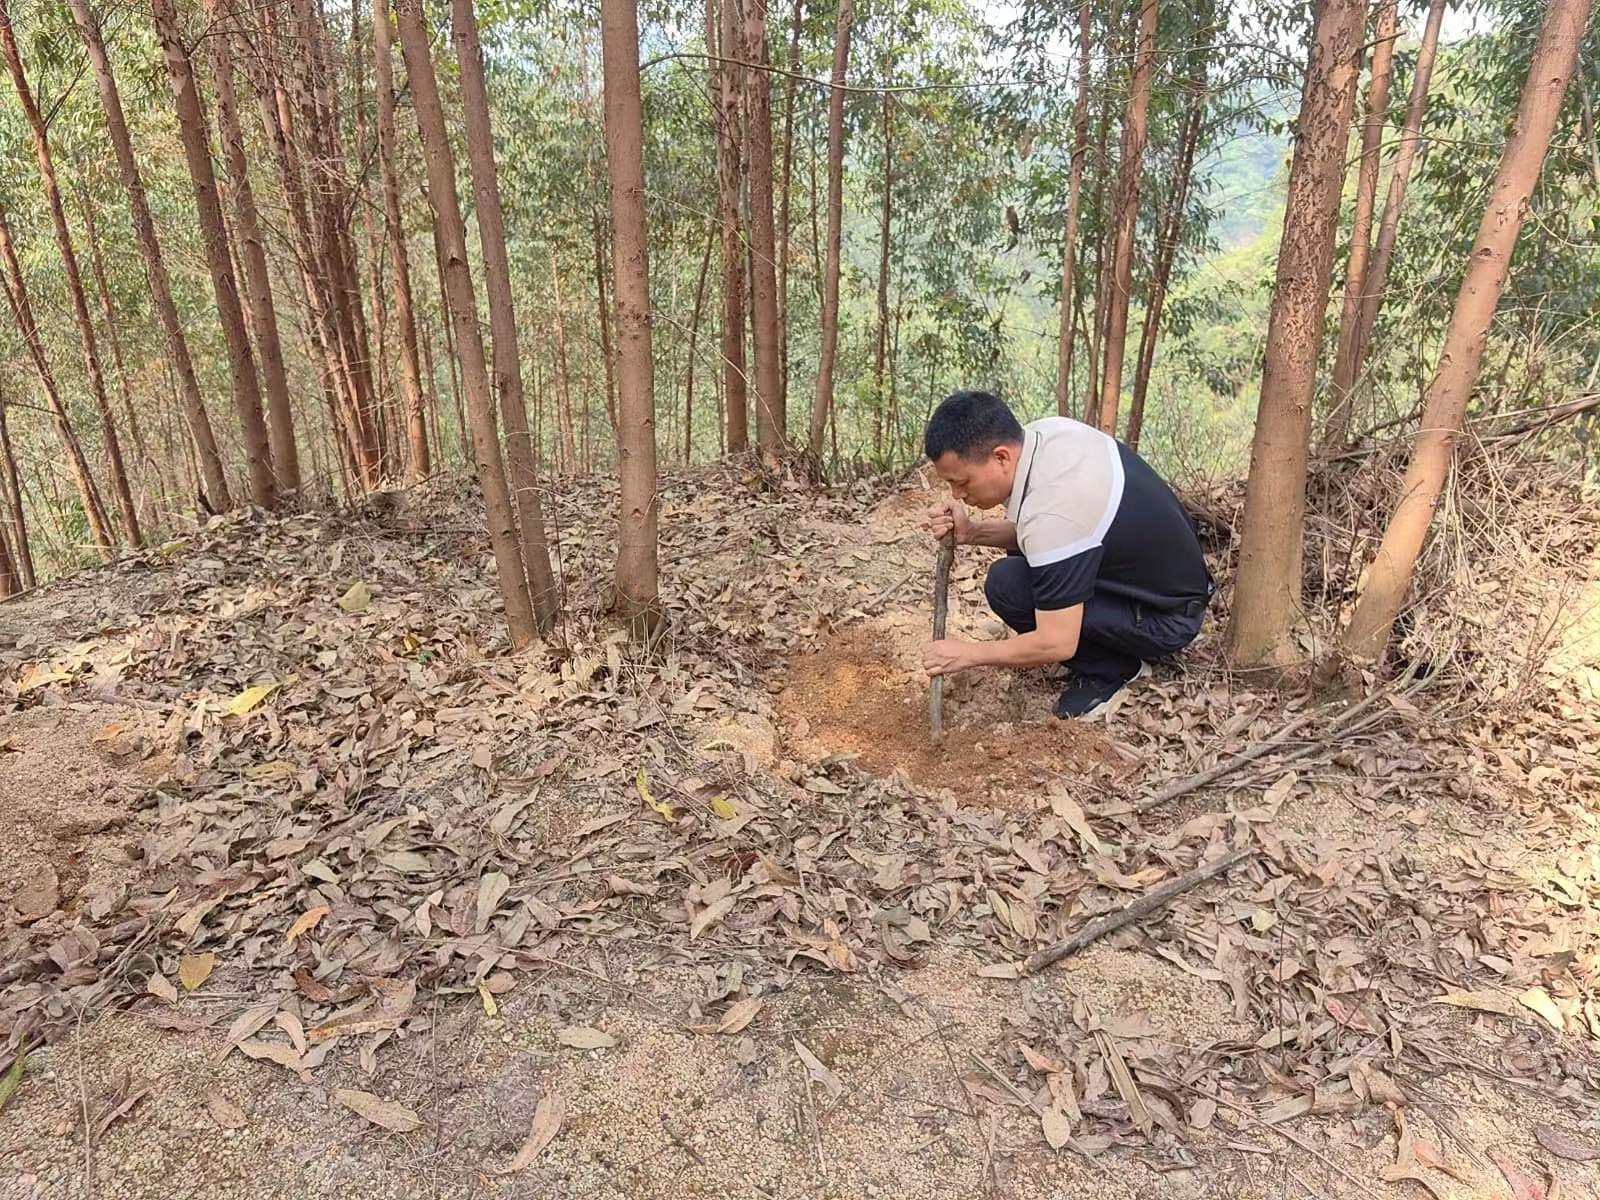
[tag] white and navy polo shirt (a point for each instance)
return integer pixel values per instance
(1091, 514)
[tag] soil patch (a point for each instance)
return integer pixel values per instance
(68, 776)
(853, 697)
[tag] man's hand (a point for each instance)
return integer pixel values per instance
(950, 516)
(947, 656)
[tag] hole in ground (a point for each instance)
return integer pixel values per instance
(852, 696)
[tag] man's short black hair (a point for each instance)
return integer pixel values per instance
(970, 424)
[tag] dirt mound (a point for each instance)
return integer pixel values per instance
(853, 697)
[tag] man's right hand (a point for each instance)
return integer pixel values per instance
(950, 516)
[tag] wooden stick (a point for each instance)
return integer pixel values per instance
(1151, 901)
(1226, 766)
(941, 611)
(1340, 725)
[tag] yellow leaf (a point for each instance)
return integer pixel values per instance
(41, 675)
(277, 768)
(250, 697)
(170, 548)
(722, 810)
(305, 923)
(490, 1008)
(661, 807)
(1537, 999)
(357, 598)
(195, 969)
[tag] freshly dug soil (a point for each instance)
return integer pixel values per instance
(851, 697)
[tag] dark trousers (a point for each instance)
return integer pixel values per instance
(1118, 634)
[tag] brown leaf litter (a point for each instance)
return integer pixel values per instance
(469, 829)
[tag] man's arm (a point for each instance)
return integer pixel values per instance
(1002, 535)
(950, 516)
(1055, 640)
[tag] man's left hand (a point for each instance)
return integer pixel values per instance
(946, 657)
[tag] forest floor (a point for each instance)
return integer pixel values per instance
(308, 890)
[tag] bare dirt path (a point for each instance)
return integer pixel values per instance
(798, 985)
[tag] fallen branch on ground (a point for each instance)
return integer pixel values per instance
(1152, 901)
(1341, 724)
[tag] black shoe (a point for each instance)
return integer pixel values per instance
(1084, 697)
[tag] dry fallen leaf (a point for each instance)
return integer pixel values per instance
(195, 969)
(1483, 1001)
(1070, 811)
(356, 598)
(710, 915)
(1564, 1145)
(250, 697)
(1537, 999)
(1057, 1127)
(491, 890)
(660, 807)
(547, 1120)
(224, 1112)
(739, 1015)
(305, 923)
(583, 1037)
(819, 1070)
(278, 1053)
(386, 1113)
(161, 988)
(1522, 1187)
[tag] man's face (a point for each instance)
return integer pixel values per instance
(981, 483)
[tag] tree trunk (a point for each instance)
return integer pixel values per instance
(793, 63)
(22, 311)
(502, 316)
(1167, 239)
(694, 336)
(604, 310)
(1134, 129)
(278, 121)
(464, 315)
(329, 214)
(1343, 384)
(97, 267)
(1091, 394)
(885, 216)
(636, 443)
(177, 346)
(1444, 409)
(10, 575)
(452, 360)
(771, 407)
(431, 412)
(213, 232)
(823, 401)
(723, 36)
(390, 418)
(569, 447)
(1376, 276)
(74, 279)
(1266, 602)
(1069, 246)
(399, 262)
(253, 253)
(11, 487)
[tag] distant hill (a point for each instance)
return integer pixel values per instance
(1245, 181)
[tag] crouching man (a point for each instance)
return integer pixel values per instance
(1103, 572)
